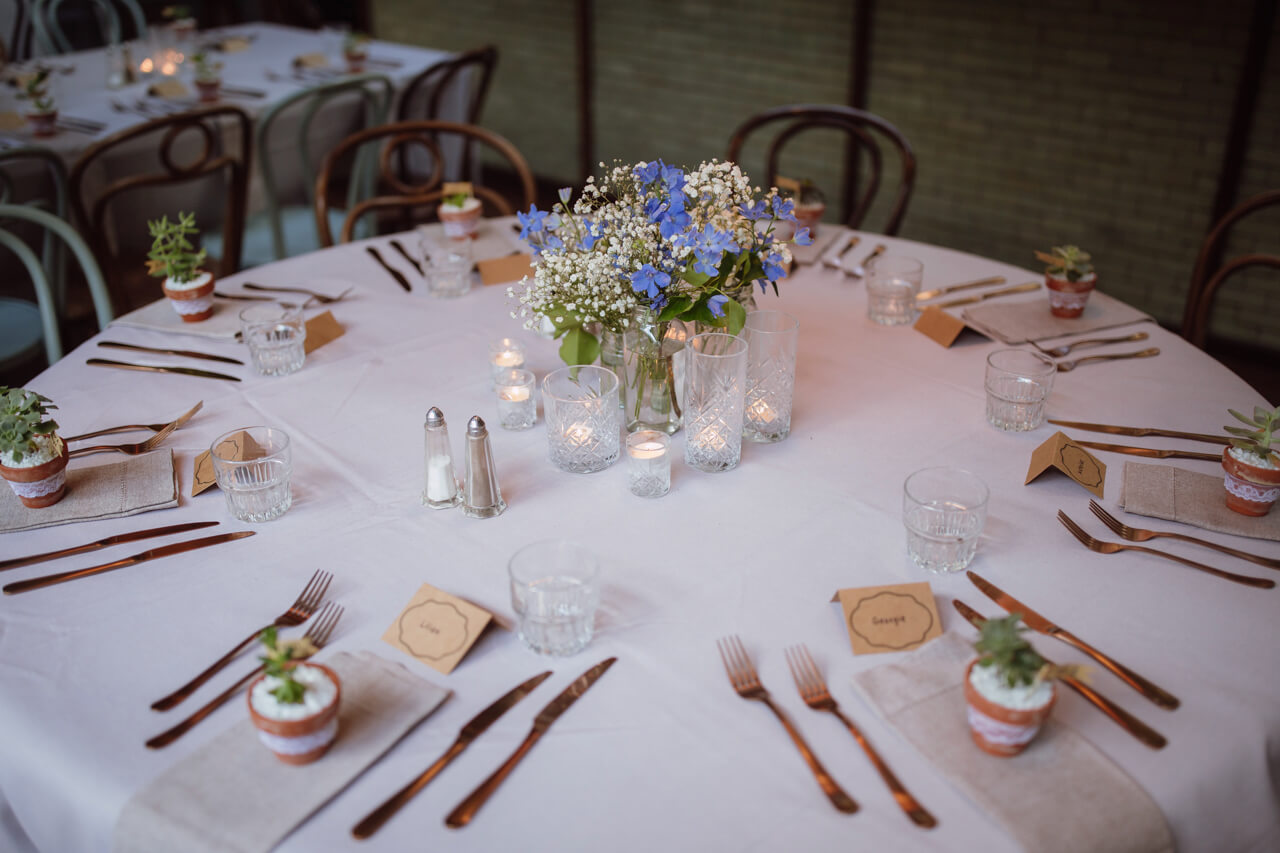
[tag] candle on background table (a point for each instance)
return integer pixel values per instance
(505, 354)
(517, 408)
(648, 463)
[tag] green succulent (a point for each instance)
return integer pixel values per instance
(206, 68)
(38, 92)
(172, 255)
(1002, 645)
(1260, 439)
(22, 418)
(1069, 262)
(274, 663)
(456, 199)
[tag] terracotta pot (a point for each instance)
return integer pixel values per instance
(299, 741)
(192, 304)
(1001, 731)
(1250, 489)
(41, 485)
(208, 90)
(43, 124)
(460, 224)
(1068, 298)
(355, 61)
(809, 215)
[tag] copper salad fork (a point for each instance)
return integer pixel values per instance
(814, 692)
(302, 609)
(131, 449)
(742, 675)
(177, 422)
(318, 634)
(1138, 534)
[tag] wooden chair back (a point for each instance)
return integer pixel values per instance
(53, 38)
(36, 176)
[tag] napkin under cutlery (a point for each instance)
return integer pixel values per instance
(1016, 322)
(134, 485)
(1062, 794)
(233, 794)
(1165, 491)
(160, 316)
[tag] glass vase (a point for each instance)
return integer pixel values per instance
(653, 373)
(611, 357)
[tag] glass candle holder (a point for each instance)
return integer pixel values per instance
(771, 374)
(505, 354)
(715, 391)
(517, 408)
(583, 418)
(648, 463)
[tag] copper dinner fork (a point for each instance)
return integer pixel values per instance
(1138, 534)
(742, 675)
(814, 692)
(131, 449)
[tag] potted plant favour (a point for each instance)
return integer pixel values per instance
(811, 204)
(208, 76)
(460, 215)
(1252, 464)
(355, 49)
(294, 705)
(42, 111)
(32, 456)
(181, 23)
(1070, 279)
(175, 259)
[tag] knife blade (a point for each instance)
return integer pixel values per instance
(1140, 431)
(942, 291)
(969, 300)
(153, 554)
(117, 539)
(1036, 622)
(1150, 452)
(392, 271)
(413, 262)
(189, 371)
(472, 730)
(1118, 715)
(467, 809)
(186, 353)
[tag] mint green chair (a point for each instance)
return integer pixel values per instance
(51, 38)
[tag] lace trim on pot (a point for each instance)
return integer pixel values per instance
(1247, 491)
(302, 743)
(192, 306)
(994, 731)
(40, 488)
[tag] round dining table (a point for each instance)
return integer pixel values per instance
(661, 753)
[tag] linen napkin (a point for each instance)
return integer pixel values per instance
(160, 316)
(1165, 491)
(1061, 794)
(494, 238)
(137, 484)
(233, 794)
(1030, 320)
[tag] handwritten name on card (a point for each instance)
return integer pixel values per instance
(894, 618)
(437, 628)
(1063, 454)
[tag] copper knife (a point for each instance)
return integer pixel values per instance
(185, 353)
(1120, 716)
(188, 371)
(404, 253)
(392, 271)
(467, 809)
(1150, 452)
(472, 730)
(154, 553)
(118, 539)
(1124, 430)
(942, 291)
(1007, 291)
(1036, 622)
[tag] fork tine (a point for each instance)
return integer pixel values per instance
(1075, 529)
(818, 684)
(794, 666)
(320, 629)
(1108, 519)
(724, 659)
(744, 661)
(314, 593)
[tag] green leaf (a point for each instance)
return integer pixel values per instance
(579, 347)
(1241, 418)
(735, 316)
(677, 306)
(1241, 431)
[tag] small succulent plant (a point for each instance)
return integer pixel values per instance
(172, 255)
(1002, 646)
(355, 44)
(456, 199)
(1261, 439)
(22, 418)
(1069, 262)
(279, 653)
(37, 90)
(206, 69)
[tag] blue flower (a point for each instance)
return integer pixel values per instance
(647, 173)
(773, 268)
(673, 223)
(533, 222)
(716, 304)
(783, 208)
(757, 211)
(565, 194)
(803, 238)
(650, 281)
(673, 177)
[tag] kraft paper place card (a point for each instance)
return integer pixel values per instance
(507, 269)
(311, 60)
(321, 329)
(787, 184)
(456, 188)
(234, 44)
(437, 628)
(1065, 455)
(12, 121)
(894, 618)
(941, 327)
(167, 89)
(241, 446)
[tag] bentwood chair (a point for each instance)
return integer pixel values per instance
(53, 37)
(437, 137)
(454, 90)
(36, 176)
(868, 137)
(192, 161)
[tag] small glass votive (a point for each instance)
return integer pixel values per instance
(253, 466)
(771, 374)
(276, 335)
(648, 463)
(517, 408)
(892, 284)
(505, 354)
(944, 511)
(555, 590)
(715, 383)
(1018, 383)
(580, 403)
(447, 265)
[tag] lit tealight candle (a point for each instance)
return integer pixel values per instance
(646, 450)
(516, 406)
(760, 412)
(648, 463)
(505, 354)
(578, 434)
(513, 395)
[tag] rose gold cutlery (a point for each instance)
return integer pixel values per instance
(404, 253)
(153, 554)
(390, 270)
(833, 258)
(1065, 349)
(177, 423)
(1065, 366)
(318, 634)
(472, 730)
(1142, 431)
(1137, 534)
(814, 692)
(302, 609)
(185, 353)
(1120, 716)
(1114, 547)
(1149, 452)
(187, 371)
(1025, 287)
(131, 449)
(942, 291)
(745, 682)
(860, 270)
(318, 297)
(118, 539)
(1036, 622)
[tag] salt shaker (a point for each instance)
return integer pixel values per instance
(442, 487)
(481, 496)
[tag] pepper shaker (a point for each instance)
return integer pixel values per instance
(482, 498)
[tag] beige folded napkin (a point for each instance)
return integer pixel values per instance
(1165, 491)
(1030, 319)
(1062, 794)
(160, 316)
(233, 794)
(128, 487)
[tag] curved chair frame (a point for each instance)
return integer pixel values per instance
(423, 133)
(51, 252)
(49, 35)
(858, 124)
(438, 78)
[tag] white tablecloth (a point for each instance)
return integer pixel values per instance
(660, 754)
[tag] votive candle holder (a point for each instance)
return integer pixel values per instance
(649, 463)
(517, 408)
(505, 354)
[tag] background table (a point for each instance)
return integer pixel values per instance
(661, 754)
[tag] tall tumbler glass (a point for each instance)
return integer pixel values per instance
(715, 394)
(583, 418)
(771, 374)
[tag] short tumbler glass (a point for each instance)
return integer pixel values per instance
(1018, 385)
(771, 374)
(253, 466)
(276, 335)
(944, 511)
(555, 590)
(892, 284)
(584, 430)
(447, 265)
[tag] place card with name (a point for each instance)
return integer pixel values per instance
(894, 618)
(456, 188)
(1063, 454)
(437, 628)
(167, 89)
(940, 327)
(311, 60)
(238, 446)
(787, 185)
(507, 269)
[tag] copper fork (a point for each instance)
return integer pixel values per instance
(1138, 534)
(178, 422)
(742, 675)
(318, 634)
(1065, 349)
(1112, 547)
(814, 692)
(302, 609)
(131, 449)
